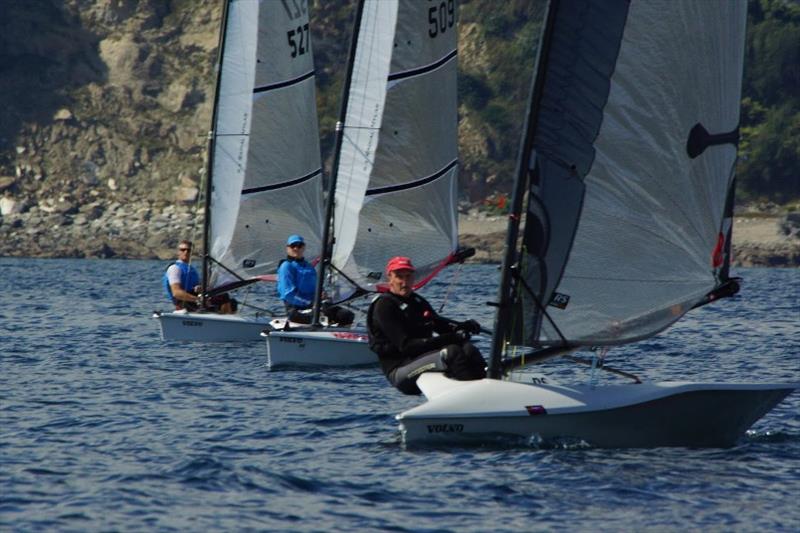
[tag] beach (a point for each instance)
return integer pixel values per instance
(144, 231)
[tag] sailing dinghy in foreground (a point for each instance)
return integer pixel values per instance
(265, 175)
(627, 165)
(395, 173)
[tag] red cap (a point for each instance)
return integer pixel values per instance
(399, 263)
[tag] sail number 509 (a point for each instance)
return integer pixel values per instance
(441, 17)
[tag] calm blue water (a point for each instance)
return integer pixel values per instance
(103, 426)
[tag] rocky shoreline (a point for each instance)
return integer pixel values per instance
(98, 230)
(760, 238)
(145, 231)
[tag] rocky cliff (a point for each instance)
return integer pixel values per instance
(106, 106)
(104, 101)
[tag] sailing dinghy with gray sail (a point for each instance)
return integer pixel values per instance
(265, 178)
(395, 180)
(627, 167)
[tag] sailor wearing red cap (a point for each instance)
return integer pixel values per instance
(401, 326)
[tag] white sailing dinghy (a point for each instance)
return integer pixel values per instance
(395, 179)
(627, 164)
(265, 176)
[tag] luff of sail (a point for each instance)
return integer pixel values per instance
(266, 177)
(397, 189)
(622, 221)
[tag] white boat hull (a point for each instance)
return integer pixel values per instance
(328, 348)
(210, 327)
(620, 416)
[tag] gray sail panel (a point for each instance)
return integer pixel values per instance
(582, 56)
(361, 126)
(391, 225)
(232, 125)
(282, 189)
(650, 214)
(266, 219)
(410, 206)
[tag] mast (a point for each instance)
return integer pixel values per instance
(505, 297)
(327, 247)
(211, 138)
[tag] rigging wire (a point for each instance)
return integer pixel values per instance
(542, 353)
(450, 286)
(601, 365)
(194, 231)
(259, 310)
(542, 308)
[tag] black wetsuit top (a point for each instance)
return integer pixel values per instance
(401, 329)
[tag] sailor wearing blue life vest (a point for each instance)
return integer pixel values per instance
(181, 280)
(401, 326)
(297, 282)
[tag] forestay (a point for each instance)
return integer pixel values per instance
(266, 173)
(398, 169)
(627, 224)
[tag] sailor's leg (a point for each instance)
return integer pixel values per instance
(296, 315)
(339, 315)
(405, 377)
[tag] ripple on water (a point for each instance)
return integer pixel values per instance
(105, 427)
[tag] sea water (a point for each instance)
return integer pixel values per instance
(103, 426)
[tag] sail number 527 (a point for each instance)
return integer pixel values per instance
(441, 17)
(298, 40)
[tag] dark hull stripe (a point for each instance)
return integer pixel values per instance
(282, 84)
(423, 70)
(282, 184)
(412, 184)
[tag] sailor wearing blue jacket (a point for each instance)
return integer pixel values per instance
(297, 281)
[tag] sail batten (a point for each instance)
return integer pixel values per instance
(284, 184)
(416, 183)
(285, 83)
(425, 69)
(628, 219)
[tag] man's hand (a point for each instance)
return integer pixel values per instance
(457, 337)
(470, 326)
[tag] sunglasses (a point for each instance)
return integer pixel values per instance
(184, 249)
(297, 245)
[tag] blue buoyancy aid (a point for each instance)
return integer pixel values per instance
(189, 278)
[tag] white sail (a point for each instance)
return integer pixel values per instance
(398, 169)
(623, 220)
(266, 176)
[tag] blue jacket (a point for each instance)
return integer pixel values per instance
(297, 282)
(189, 278)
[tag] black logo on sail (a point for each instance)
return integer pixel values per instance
(559, 300)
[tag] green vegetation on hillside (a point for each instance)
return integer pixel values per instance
(497, 44)
(769, 163)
